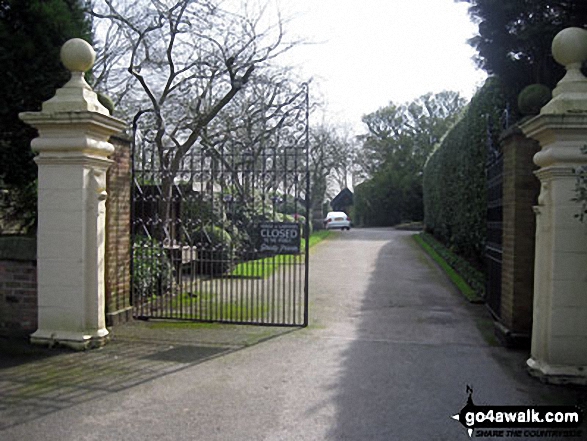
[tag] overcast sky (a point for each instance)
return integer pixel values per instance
(370, 52)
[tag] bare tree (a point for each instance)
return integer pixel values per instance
(345, 164)
(184, 62)
(332, 154)
(261, 123)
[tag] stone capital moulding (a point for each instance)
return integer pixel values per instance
(73, 132)
(546, 174)
(561, 137)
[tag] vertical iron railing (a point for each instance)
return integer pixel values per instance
(196, 235)
(307, 199)
(493, 245)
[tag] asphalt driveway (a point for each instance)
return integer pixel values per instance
(389, 352)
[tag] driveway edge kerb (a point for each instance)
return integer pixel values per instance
(450, 272)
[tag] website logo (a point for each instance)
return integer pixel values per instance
(520, 421)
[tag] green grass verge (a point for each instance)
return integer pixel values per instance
(474, 277)
(318, 236)
(208, 306)
(181, 325)
(263, 268)
(186, 306)
(459, 282)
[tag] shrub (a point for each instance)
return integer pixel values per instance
(216, 254)
(302, 221)
(152, 269)
(532, 98)
(197, 210)
(581, 189)
(280, 217)
(291, 206)
(226, 231)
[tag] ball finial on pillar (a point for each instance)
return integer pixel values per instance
(569, 48)
(76, 95)
(77, 55)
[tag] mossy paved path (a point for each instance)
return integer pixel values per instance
(388, 354)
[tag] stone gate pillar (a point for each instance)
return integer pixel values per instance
(559, 330)
(73, 150)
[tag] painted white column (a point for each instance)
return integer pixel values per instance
(72, 160)
(559, 330)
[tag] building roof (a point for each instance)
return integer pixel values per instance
(342, 200)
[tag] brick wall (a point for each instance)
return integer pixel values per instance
(118, 309)
(18, 286)
(520, 193)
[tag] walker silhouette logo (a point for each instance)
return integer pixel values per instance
(519, 421)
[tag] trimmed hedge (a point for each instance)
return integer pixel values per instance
(455, 199)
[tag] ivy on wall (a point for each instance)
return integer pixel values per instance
(581, 189)
(454, 183)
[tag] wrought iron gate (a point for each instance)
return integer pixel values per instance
(224, 238)
(493, 245)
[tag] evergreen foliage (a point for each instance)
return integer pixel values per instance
(515, 37)
(581, 189)
(152, 268)
(532, 98)
(513, 46)
(399, 139)
(455, 200)
(31, 35)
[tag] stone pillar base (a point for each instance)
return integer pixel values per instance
(557, 374)
(511, 339)
(119, 317)
(78, 341)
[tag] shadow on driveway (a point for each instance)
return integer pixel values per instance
(418, 345)
(36, 381)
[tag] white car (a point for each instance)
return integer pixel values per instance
(337, 219)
